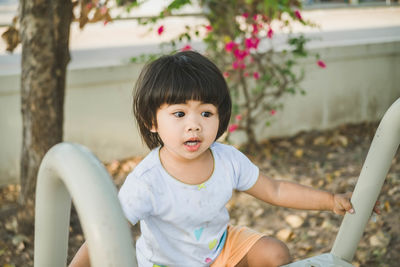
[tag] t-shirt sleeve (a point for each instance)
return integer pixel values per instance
(246, 172)
(135, 198)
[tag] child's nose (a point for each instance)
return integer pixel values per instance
(193, 125)
(193, 128)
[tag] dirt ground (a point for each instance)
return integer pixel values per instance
(330, 160)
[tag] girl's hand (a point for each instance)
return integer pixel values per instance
(342, 204)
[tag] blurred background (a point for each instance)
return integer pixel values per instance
(320, 138)
(359, 42)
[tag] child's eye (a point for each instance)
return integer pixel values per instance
(179, 114)
(206, 114)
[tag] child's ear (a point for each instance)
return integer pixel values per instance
(153, 128)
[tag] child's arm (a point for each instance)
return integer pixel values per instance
(81, 258)
(292, 195)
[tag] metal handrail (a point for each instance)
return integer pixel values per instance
(373, 173)
(72, 171)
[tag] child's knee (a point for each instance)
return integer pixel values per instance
(280, 255)
(273, 252)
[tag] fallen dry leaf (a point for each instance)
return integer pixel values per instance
(294, 221)
(299, 153)
(285, 234)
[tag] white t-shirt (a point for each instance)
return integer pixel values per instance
(183, 225)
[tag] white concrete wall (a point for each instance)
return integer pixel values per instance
(10, 128)
(97, 114)
(360, 82)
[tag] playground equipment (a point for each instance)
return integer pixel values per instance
(369, 184)
(71, 169)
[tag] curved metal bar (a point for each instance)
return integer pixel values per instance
(70, 170)
(369, 184)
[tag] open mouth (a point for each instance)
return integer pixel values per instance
(192, 144)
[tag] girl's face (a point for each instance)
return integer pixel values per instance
(187, 130)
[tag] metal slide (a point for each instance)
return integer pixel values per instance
(71, 170)
(373, 173)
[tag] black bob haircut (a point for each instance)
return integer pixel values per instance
(175, 79)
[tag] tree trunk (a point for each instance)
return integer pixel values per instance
(45, 26)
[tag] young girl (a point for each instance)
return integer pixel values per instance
(179, 190)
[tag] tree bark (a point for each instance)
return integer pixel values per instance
(45, 27)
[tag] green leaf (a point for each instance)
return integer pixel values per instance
(235, 108)
(291, 90)
(177, 4)
(266, 77)
(290, 63)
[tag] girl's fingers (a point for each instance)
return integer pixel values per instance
(377, 210)
(347, 205)
(339, 211)
(343, 204)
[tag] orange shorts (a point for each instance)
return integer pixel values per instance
(238, 242)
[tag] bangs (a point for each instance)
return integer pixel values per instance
(181, 82)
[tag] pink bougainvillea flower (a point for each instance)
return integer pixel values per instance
(270, 33)
(245, 15)
(238, 117)
(160, 30)
(252, 42)
(255, 16)
(235, 64)
(209, 28)
(298, 15)
(226, 74)
(186, 48)
(321, 64)
(89, 6)
(256, 75)
(233, 127)
(230, 46)
(238, 64)
(255, 28)
(240, 54)
(103, 10)
(272, 112)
